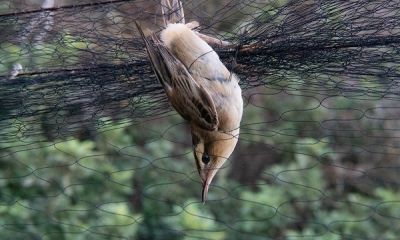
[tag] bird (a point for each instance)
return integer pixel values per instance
(202, 90)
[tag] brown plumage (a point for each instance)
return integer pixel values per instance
(202, 91)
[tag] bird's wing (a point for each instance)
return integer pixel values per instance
(190, 100)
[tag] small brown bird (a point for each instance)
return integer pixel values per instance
(202, 90)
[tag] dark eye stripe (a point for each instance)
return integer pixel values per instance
(195, 139)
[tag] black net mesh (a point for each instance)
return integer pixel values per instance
(90, 148)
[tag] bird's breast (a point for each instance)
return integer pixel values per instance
(229, 104)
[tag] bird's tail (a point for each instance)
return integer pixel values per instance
(172, 11)
(153, 46)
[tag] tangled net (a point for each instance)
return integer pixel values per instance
(74, 70)
(83, 63)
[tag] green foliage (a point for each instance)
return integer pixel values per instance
(66, 50)
(9, 54)
(58, 191)
(135, 184)
(140, 181)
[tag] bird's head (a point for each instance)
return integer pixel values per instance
(211, 150)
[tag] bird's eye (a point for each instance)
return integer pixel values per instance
(205, 159)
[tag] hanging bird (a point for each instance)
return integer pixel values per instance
(202, 90)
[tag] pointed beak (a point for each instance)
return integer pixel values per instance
(210, 173)
(204, 192)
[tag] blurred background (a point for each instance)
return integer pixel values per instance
(90, 149)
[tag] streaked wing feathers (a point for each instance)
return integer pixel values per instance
(189, 99)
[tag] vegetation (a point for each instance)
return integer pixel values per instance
(140, 182)
(307, 166)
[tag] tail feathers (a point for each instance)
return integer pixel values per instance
(172, 11)
(156, 59)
